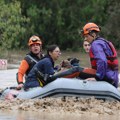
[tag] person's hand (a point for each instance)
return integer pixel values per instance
(19, 86)
(57, 67)
(91, 79)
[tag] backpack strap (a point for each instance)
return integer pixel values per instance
(32, 58)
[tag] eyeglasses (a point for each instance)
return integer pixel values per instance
(57, 51)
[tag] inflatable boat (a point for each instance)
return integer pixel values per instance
(62, 87)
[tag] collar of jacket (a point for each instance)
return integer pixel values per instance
(33, 55)
(97, 38)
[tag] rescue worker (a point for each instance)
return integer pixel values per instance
(103, 55)
(35, 54)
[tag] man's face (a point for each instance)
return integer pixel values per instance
(35, 48)
(88, 38)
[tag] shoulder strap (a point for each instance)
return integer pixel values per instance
(32, 58)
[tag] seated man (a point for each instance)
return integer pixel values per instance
(103, 55)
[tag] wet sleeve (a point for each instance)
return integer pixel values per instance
(22, 70)
(101, 60)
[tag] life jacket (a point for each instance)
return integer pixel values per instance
(32, 60)
(111, 60)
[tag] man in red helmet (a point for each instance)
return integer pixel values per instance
(35, 54)
(103, 55)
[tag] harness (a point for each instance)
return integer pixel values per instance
(32, 60)
(112, 61)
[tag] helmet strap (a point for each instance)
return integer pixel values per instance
(91, 34)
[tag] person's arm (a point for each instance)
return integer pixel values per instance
(43, 70)
(22, 70)
(48, 68)
(101, 60)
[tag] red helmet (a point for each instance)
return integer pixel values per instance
(34, 40)
(90, 27)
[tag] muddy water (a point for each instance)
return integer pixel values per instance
(8, 78)
(13, 115)
(53, 109)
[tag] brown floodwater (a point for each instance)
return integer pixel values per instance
(55, 108)
(21, 115)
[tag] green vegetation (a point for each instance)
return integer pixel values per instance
(12, 25)
(56, 21)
